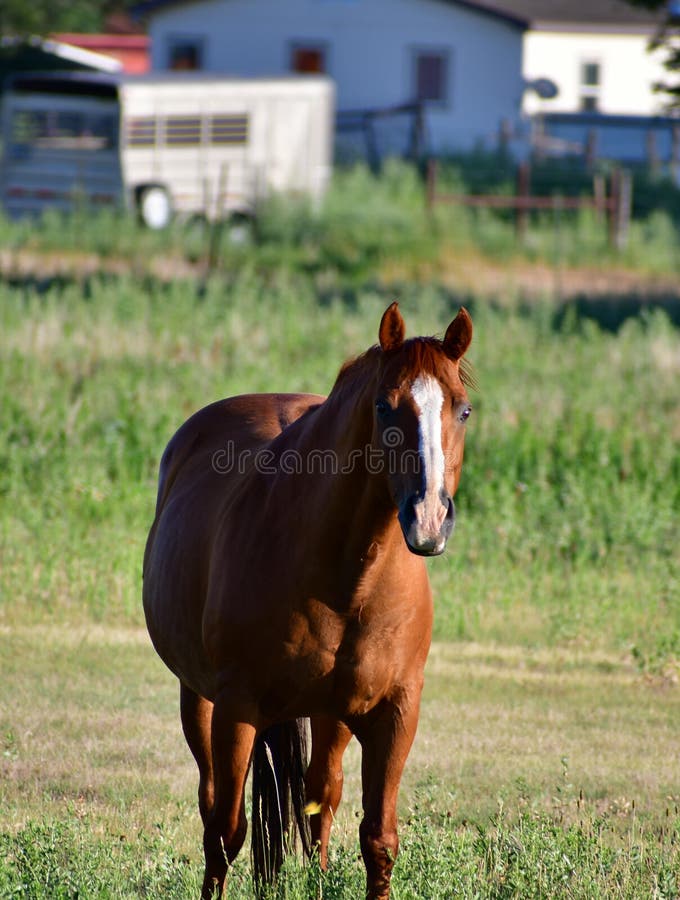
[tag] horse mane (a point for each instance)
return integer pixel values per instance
(425, 353)
(356, 372)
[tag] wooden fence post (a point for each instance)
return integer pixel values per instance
(675, 153)
(504, 135)
(431, 184)
(620, 208)
(522, 214)
(372, 152)
(217, 223)
(591, 149)
(599, 196)
(652, 152)
(625, 208)
(614, 182)
(418, 134)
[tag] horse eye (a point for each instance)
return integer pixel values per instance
(382, 407)
(465, 414)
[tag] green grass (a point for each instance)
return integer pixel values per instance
(363, 226)
(531, 858)
(568, 506)
(545, 762)
(519, 784)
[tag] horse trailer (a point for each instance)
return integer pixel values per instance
(186, 144)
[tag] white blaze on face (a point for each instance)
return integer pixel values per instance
(429, 398)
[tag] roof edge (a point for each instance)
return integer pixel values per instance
(142, 9)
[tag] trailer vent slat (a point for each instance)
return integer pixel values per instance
(183, 130)
(229, 129)
(141, 132)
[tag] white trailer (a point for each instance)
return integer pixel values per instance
(163, 144)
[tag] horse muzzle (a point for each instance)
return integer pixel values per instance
(427, 523)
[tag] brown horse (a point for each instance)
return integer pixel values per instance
(284, 578)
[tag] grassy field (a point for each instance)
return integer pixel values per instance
(546, 762)
(535, 774)
(368, 229)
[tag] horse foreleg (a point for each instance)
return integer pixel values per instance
(386, 738)
(324, 778)
(196, 714)
(225, 828)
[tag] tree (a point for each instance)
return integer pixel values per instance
(41, 17)
(666, 39)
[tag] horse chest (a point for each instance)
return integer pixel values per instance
(359, 665)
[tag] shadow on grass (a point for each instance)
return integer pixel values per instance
(610, 311)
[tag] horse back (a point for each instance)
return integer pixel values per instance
(228, 431)
(207, 461)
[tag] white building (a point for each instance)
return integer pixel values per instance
(595, 51)
(462, 58)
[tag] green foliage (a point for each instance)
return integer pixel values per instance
(667, 39)
(566, 536)
(62, 861)
(363, 221)
(47, 16)
(569, 502)
(368, 225)
(530, 857)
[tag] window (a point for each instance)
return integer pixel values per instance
(430, 76)
(590, 85)
(57, 129)
(590, 74)
(185, 54)
(308, 58)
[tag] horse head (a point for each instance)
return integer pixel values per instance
(421, 407)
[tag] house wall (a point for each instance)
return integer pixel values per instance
(628, 71)
(369, 50)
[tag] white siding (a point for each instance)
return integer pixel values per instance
(628, 71)
(370, 46)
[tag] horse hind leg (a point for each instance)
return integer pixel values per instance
(196, 713)
(324, 779)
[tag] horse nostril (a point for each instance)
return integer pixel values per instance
(449, 518)
(447, 501)
(407, 511)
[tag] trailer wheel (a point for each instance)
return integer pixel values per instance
(155, 209)
(240, 229)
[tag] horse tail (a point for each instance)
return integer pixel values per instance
(278, 814)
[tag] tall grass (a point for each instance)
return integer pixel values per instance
(568, 506)
(530, 858)
(364, 221)
(566, 545)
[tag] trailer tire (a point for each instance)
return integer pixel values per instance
(155, 208)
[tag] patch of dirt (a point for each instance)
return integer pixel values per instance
(460, 272)
(541, 280)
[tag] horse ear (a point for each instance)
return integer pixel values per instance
(458, 335)
(392, 328)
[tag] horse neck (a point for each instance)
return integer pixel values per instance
(354, 502)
